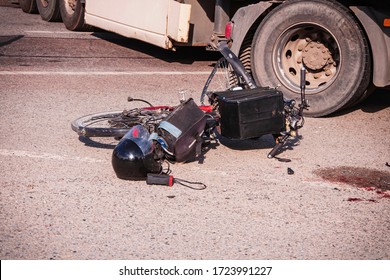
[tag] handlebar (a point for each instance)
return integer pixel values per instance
(281, 141)
(275, 149)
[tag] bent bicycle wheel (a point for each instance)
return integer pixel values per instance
(118, 123)
(99, 125)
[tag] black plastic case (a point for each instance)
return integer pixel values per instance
(250, 113)
(182, 130)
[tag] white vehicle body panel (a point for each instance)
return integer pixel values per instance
(155, 21)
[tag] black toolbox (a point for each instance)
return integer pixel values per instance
(250, 113)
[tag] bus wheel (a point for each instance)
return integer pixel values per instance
(72, 13)
(28, 6)
(323, 37)
(49, 10)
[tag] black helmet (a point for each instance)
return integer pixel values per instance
(133, 157)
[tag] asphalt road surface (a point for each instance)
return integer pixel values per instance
(60, 198)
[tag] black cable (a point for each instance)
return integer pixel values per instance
(185, 183)
(182, 182)
(129, 99)
(168, 169)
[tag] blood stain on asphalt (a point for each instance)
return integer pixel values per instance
(360, 177)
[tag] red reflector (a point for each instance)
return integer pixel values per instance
(386, 22)
(206, 108)
(170, 183)
(228, 30)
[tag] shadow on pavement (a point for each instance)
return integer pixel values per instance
(184, 55)
(379, 100)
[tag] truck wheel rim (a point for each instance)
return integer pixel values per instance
(311, 46)
(70, 6)
(45, 3)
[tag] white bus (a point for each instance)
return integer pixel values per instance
(344, 44)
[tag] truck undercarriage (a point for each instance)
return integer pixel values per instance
(344, 45)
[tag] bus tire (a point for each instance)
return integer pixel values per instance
(322, 36)
(28, 6)
(49, 10)
(72, 14)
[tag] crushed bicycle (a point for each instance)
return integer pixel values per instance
(237, 108)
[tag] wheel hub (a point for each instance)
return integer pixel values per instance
(310, 46)
(315, 55)
(72, 4)
(45, 3)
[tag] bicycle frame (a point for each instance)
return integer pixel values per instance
(121, 122)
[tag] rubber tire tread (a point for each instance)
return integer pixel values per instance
(28, 6)
(79, 126)
(50, 13)
(75, 21)
(355, 71)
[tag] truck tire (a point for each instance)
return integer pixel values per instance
(72, 14)
(28, 6)
(49, 10)
(322, 36)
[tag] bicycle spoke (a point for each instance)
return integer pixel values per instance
(222, 78)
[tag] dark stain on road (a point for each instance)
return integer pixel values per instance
(360, 177)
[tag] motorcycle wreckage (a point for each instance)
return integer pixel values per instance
(238, 109)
